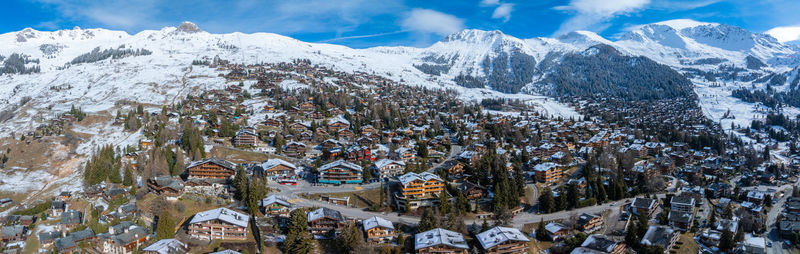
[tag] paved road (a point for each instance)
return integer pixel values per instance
(772, 217)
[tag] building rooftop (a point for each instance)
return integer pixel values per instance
(222, 214)
(439, 236)
(324, 212)
(376, 221)
(499, 235)
(411, 176)
(167, 246)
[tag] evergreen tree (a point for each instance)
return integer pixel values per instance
(541, 232)
(350, 240)
(427, 221)
(165, 228)
(297, 239)
(546, 202)
(726, 242)
(240, 181)
(444, 203)
(128, 179)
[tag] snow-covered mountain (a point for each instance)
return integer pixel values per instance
(153, 66)
(44, 73)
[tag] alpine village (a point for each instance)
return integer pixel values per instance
(357, 163)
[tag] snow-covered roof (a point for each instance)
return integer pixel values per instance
(499, 235)
(274, 162)
(544, 166)
(340, 163)
(165, 246)
(383, 162)
(218, 161)
(324, 212)
(599, 243)
(222, 214)
(411, 176)
(376, 221)
(439, 236)
(275, 199)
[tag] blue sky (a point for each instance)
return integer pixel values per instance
(367, 23)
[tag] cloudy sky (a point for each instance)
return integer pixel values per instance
(367, 23)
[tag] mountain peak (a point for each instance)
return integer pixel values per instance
(474, 35)
(188, 27)
(679, 24)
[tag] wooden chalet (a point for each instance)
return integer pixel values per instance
(214, 168)
(325, 223)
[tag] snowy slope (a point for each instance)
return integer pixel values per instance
(165, 75)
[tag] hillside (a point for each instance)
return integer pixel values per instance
(103, 71)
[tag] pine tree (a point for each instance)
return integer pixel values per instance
(427, 221)
(444, 203)
(726, 242)
(128, 179)
(350, 240)
(240, 181)
(165, 228)
(297, 239)
(541, 232)
(546, 202)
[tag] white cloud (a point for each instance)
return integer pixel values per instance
(785, 33)
(485, 3)
(592, 14)
(503, 11)
(430, 21)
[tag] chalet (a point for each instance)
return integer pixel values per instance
(358, 153)
(275, 206)
(316, 115)
(345, 134)
(167, 246)
(337, 124)
(644, 206)
(386, 168)
(367, 129)
(366, 141)
(503, 240)
(207, 186)
(245, 137)
(275, 168)
(306, 106)
(14, 233)
(600, 244)
(299, 127)
(403, 154)
(556, 231)
(589, 223)
(166, 185)
(295, 149)
(57, 208)
(440, 241)
(343, 201)
(662, 236)
(378, 229)
(472, 191)
(272, 122)
(70, 244)
(547, 172)
(70, 219)
(325, 223)
(46, 239)
(339, 172)
(220, 223)
(213, 168)
(127, 240)
(418, 190)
